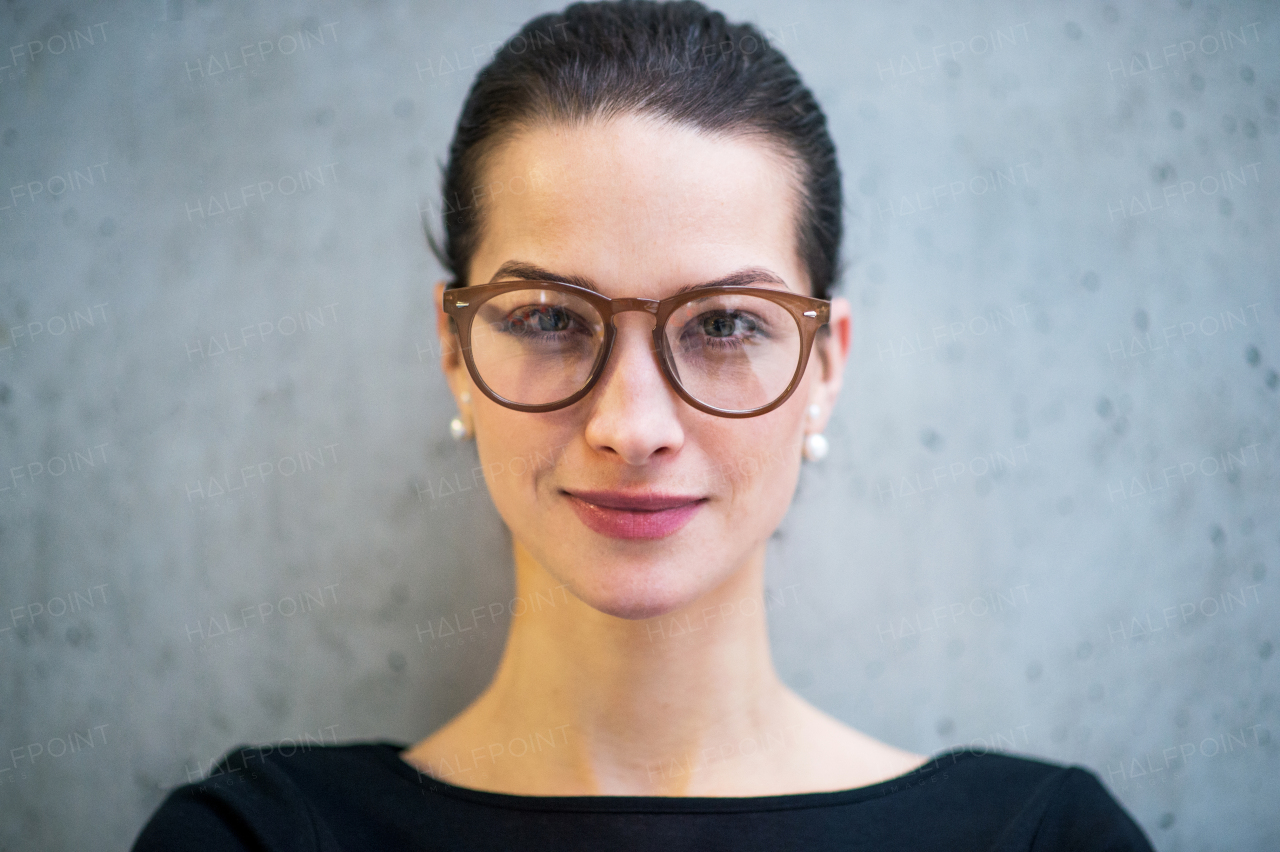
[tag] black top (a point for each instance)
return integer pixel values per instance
(364, 797)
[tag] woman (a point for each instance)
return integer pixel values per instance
(643, 225)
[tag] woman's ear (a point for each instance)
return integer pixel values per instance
(450, 355)
(831, 352)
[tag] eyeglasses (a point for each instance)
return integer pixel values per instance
(733, 351)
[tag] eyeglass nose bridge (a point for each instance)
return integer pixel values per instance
(621, 306)
(625, 306)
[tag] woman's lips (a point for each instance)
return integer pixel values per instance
(633, 516)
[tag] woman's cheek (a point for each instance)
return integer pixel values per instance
(760, 476)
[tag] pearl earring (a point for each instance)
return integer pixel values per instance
(815, 445)
(457, 428)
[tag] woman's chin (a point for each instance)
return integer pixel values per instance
(654, 593)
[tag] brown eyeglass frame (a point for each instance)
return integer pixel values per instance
(461, 304)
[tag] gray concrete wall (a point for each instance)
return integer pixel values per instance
(1048, 522)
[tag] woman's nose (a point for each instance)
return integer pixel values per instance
(633, 410)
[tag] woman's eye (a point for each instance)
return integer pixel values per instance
(726, 325)
(541, 319)
(720, 326)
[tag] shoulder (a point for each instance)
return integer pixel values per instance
(1050, 805)
(267, 797)
(831, 755)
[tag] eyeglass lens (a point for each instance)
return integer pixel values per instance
(733, 352)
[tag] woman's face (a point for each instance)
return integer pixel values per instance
(640, 208)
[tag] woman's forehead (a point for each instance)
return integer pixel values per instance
(631, 198)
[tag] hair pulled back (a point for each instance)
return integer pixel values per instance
(678, 61)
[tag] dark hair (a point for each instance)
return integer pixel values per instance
(677, 61)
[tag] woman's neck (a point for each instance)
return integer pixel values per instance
(689, 703)
(633, 707)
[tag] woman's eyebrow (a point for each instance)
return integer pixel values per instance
(533, 272)
(738, 278)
